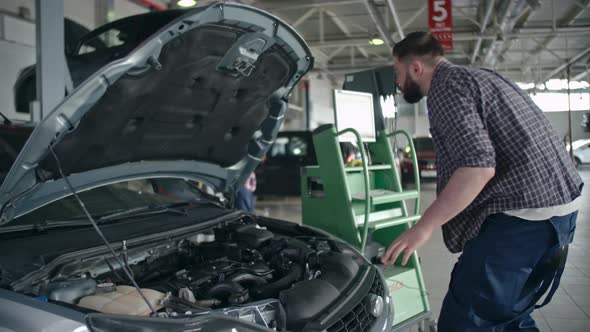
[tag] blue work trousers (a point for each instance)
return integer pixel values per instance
(244, 200)
(504, 272)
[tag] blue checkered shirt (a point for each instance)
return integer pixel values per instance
(480, 119)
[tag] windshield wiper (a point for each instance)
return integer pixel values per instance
(145, 211)
(44, 225)
(82, 221)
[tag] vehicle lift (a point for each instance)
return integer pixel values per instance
(366, 206)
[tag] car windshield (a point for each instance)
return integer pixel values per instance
(118, 197)
(423, 144)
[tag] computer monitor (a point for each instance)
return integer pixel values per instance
(355, 110)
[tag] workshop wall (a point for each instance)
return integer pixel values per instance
(420, 126)
(12, 6)
(17, 38)
(17, 51)
(81, 11)
(416, 126)
(559, 121)
(321, 99)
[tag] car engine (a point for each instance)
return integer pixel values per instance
(240, 269)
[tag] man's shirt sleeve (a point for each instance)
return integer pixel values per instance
(458, 122)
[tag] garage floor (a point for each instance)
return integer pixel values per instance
(570, 309)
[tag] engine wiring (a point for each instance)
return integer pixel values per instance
(98, 230)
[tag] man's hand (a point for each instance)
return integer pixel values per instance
(463, 187)
(407, 243)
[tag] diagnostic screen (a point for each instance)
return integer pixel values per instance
(355, 110)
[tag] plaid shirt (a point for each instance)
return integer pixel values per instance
(480, 119)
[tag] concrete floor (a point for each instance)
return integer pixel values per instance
(569, 310)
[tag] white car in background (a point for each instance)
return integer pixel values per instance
(581, 152)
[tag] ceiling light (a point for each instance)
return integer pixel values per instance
(186, 3)
(376, 41)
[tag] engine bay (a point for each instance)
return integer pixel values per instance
(237, 268)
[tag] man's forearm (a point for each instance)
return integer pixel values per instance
(463, 187)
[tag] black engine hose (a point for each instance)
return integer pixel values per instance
(157, 274)
(247, 279)
(231, 291)
(272, 290)
(208, 303)
(178, 304)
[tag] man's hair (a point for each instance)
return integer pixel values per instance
(418, 43)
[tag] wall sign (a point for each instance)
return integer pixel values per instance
(440, 22)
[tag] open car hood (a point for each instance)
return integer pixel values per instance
(203, 98)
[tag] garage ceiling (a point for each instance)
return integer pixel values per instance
(528, 40)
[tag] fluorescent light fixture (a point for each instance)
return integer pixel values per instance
(186, 3)
(376, 41)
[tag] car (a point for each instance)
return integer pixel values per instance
(117, 214)
(13, 136)
(25, 89)
(581, 152)
(280, 172)
(93, 50)
(426, 160)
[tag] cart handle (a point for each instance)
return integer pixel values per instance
(414, 162)
(366, 178)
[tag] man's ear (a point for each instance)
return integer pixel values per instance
(416, 68)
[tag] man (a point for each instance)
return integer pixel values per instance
(506, 190)
(245, 195)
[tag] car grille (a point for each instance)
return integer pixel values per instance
(360, 318)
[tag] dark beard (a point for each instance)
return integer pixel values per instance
(412, 93)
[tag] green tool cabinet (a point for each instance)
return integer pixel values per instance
(365, 204)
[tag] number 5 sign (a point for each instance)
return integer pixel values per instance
(440, 22)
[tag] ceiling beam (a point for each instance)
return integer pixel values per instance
(561, 67)
(467, 17)
(338, 22)
(410, 20)
(344, 28)
(482, 29)
(321, 29)
(304, 17)
(378, 21)
(581, 75)
(362, 40)
(303, 4)
(509, 13)
(565, 21)
(552, 52)
(396, 21)
(335, 52)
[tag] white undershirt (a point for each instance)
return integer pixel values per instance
(548, 212)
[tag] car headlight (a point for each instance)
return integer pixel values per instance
(376, 305)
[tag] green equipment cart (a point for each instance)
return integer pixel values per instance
(366, 207)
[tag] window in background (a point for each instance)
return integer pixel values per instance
(557, 101)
